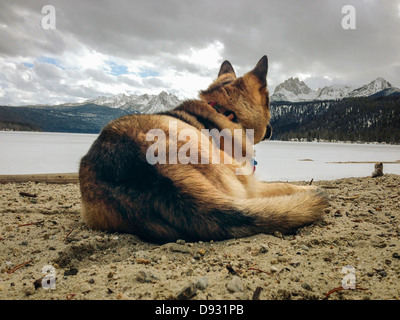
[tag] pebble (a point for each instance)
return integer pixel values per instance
(202, 283)
(122, 296)
(306, 286)
(146, 277)
(273, 269)
(174, 247)
(93, 257)
(235, 285)
(396, 255)
(188, 292)
(29, 289)
(304, 247)
(71, 272)
(85, 287)
(24, 243)
(278, 234)
(264, 248)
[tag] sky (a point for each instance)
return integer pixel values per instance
(80, 50)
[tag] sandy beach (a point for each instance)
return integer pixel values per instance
(355, 246)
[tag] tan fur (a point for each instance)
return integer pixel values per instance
(121, 191)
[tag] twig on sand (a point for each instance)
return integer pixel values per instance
(18, 267)
(311, 181)
(68, 234)
(31, 223)
(340, 289)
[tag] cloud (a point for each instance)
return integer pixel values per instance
(108, 47)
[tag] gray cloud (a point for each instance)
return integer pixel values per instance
(299, 37)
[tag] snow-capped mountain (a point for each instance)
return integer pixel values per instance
(373, 87)
(144, 103)
(294, 90)
(335, 91)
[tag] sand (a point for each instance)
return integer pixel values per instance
(355, 246)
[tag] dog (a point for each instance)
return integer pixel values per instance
(130, 184)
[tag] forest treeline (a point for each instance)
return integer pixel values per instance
(355, 119)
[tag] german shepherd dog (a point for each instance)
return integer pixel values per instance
(164, 201)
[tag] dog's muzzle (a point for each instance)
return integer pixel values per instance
(268, 133)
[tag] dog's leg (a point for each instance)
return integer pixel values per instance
(263, 189)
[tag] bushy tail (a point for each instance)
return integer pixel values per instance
(282, 213)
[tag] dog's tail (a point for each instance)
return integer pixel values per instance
(282, 213)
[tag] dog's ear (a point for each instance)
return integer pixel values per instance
(261, 70)
(226, 67)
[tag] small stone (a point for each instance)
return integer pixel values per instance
(202, 283)
(85, 287)
(264, 248)
(201, 252)
(24, 243)
(71, 272)
(122, 296)
(306, 286)
(29, 289)
(235, 285)
(273, 269)
(188, 292)
(382, 273)
(99, 239)
(304, 247)
(175, 247)
(146, 277)
(180, 241)
(378, 172)
(396, 255)
(278, 234)
(93, 257)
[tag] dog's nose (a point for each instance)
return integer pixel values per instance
(268, 133)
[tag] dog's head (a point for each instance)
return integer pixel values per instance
(247, 97)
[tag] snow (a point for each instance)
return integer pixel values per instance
(294, 90)
(144, 103)
(40, 152)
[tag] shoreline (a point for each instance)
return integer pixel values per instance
(51, 178)
(291, 140)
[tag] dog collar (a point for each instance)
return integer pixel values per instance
(222, 110)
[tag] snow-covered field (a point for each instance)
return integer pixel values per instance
(44, 152)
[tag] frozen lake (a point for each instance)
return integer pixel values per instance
(44, 152)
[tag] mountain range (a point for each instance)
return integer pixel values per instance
(145, 103)
(294, 90)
